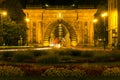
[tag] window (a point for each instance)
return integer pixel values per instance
(115, 21)
(34, 35)
(111, 5)
(80, 23)
(34, 24)
(115, 3)
(86, 23)
(27, 14)
(34, 32)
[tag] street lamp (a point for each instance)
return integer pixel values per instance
(114, 36)
(46, 5)
(104, 17)
(2, 14)
(27, 20)
(95, 21)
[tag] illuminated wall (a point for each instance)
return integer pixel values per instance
(113, 22)
(78, 24)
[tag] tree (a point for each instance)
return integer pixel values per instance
(100, 32)
(14, 29)
(13, 32)
(14, 9)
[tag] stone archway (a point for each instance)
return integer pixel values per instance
(73, 36)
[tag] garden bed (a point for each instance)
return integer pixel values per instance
(60, 64)
(62, 72)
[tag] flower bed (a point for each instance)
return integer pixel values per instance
(77, 71)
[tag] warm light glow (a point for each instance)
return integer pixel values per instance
(52, 45)
(73, 5)
(58, 46)
(74, 43)
(4, 13)
(59, 15)
(95, 20)
(27, 19)
(104, 14)
(46, 5)
(99, 39)
(46, 43)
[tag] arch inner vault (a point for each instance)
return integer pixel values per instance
(63, 27)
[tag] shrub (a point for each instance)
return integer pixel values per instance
(64, 52)
(76, 53)
(10, 71)
(115, 51)
(51, 58)
(87, 54)
(38, 53)
(115, 71)
(101, 56)
(92, 70)
(78, 73)
(48, 59)
(22, 56)
(6, 56)
(52, 72)
(115, 55)
(62, 72)
(66, 58)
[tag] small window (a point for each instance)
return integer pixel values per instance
(34, 24)
(85, 24)
(34, 35)
(115, 21)
(111, 5)
(115, 3)
(27, 14)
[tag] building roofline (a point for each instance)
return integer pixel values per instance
(62, 7)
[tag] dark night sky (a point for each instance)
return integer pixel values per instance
(62, 2)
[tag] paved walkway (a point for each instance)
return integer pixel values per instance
(46, 48)
(94, 49)
(25, 49)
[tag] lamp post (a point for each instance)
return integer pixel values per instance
(95, 21)
(2, 14)
(104, 17)
(114, 36)
(27, 20)
(21, 40)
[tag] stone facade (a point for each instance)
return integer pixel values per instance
(113, 22)
(75, 26)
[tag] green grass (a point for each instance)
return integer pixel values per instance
(61, 56)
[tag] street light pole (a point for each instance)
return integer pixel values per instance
(27, 20)
(104, 18)
(104, 34)
(2, 13)
(95, 21)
